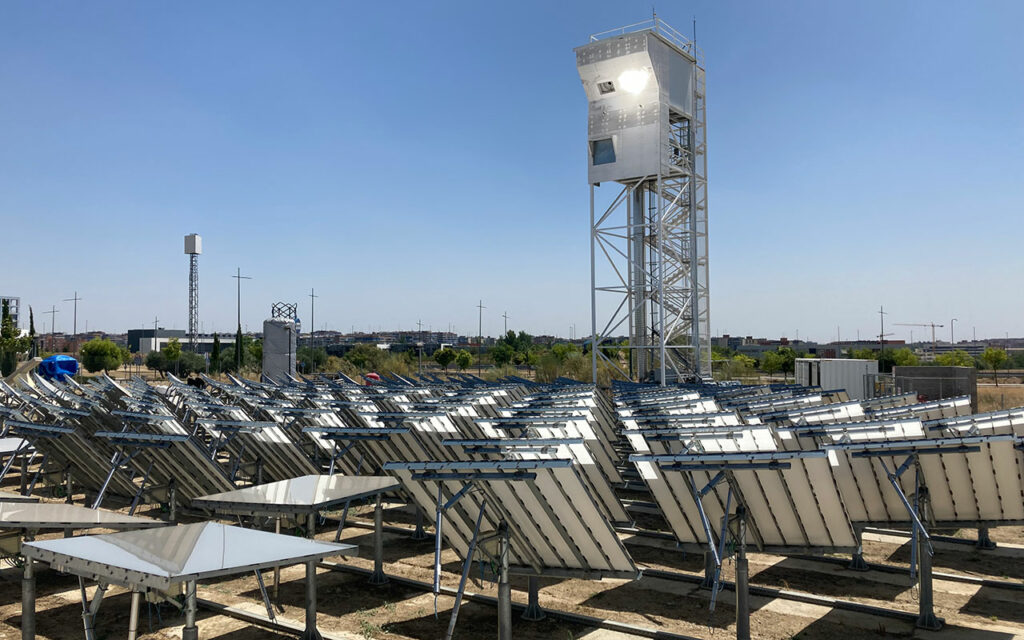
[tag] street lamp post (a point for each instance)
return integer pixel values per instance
(238, 347)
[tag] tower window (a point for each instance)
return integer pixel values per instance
(602, 151)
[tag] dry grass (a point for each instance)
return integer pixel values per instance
(1001, 397)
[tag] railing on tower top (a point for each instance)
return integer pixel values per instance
(660, 27)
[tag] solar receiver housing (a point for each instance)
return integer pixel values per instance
(633, 82)
(193, 244)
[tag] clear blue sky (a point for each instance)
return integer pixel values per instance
(407, 159)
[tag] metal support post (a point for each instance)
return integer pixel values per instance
(311, 632)
(311, 525)
(533, 611)
(504, 588)
(23, 479)
(133, 616)
(69, 486)
(465, 574)
(378, 577)
(263, 594)
(742, 576)
(191, 631)
(277, 569)
(28, 601)
(172, 500)
(710, 569)
(419, 533)
(857, 562)
(926, 618)
(89, 611)
(985, 542)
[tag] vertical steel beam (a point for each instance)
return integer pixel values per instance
(593, 290)
(28, 601)
(742, 576)
(639, 339)
(277, 568)
(190, 631)
(533, 611)
(504, 587)
(419, 533)
(311, 632)
(378, 577)
(133, 616)
(984, 541)
(926, 618)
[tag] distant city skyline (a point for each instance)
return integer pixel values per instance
(861, 155)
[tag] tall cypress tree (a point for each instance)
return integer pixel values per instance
(238, 348)
(215, 354)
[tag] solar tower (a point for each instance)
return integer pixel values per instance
(193, 247)
(649, 237)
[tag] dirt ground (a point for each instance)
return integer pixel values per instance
(350, 608)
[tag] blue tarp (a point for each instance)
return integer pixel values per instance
(57, 367)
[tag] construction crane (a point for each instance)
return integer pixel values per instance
(923, 324)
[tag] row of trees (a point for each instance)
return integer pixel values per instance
(445, 357)
(731, 365)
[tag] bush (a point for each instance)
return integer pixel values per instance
(101, 355)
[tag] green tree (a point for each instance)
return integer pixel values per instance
(215, 354)
(502, 354)
(993, 358)
(564, 350)
(863, 354)
(156, 361)
(101, 355)
(445, 357)
(771, 362)
(189, 363)
(463, 359)
(788, 359)
(955, 358)
(11, 342)
(904, 358)
(172, 350)
(255, 352)
(312, 360)
(32, 333)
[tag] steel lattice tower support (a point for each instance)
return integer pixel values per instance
(649, 245)
(193, 300)
(193, 247)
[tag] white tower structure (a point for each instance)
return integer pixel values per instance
(193, 247)
(646, 133)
